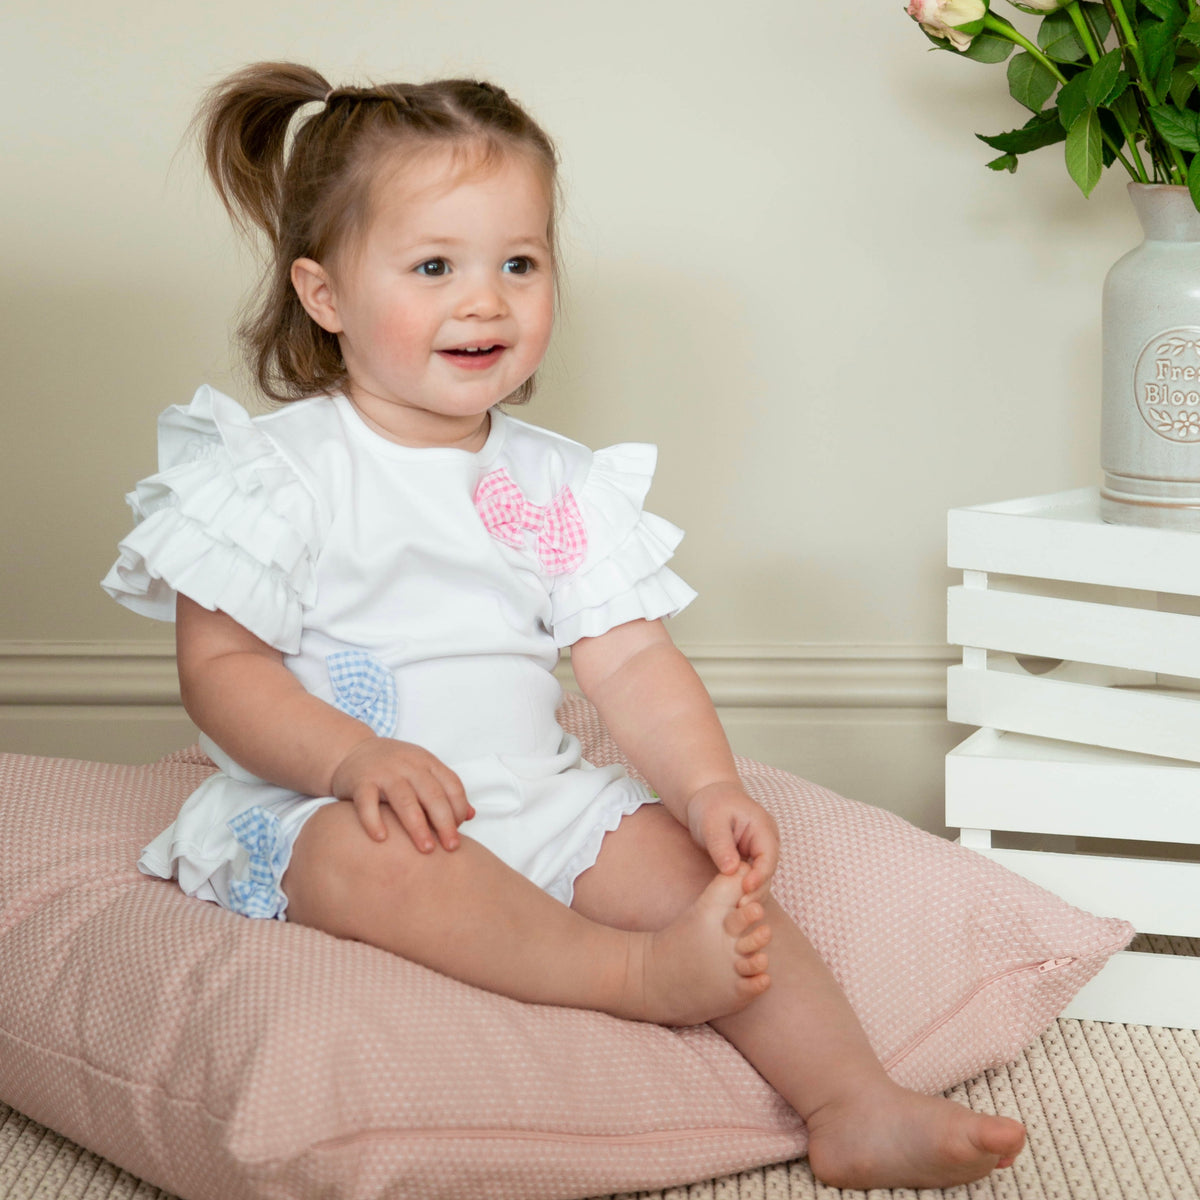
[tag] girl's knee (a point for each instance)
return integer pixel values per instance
(339, 873)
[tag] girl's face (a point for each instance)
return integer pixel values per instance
(447, 305)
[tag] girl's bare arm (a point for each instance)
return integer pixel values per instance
(236, 688)
(660, 714)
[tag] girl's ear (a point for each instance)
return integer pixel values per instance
(315, 290)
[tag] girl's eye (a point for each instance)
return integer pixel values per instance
(432, 268)
(520, 265)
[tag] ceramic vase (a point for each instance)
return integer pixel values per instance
(1150, 421)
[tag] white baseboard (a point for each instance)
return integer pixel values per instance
(817, 676)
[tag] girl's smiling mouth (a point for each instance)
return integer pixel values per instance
(475, 356)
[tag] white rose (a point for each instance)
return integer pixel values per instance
(946, 18)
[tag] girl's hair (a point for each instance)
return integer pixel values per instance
(311, 192)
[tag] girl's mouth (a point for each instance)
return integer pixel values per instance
(474, 358)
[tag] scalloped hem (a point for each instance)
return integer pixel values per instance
(609, 816)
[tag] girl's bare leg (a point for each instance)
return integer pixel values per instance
(466, 914)
(802, 1036)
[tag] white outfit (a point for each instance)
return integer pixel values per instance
(425, 591)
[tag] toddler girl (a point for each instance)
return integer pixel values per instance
(371, 586)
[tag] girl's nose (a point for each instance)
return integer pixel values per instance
(482, 299)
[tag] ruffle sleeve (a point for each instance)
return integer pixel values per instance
(623, 576)
(227, 521)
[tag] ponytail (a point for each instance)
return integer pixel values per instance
(244, 123)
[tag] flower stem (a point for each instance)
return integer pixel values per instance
(1161, 153)
(1144, 84)
(1138, 170)
(1087, 35)
(1139, 175)
(1084, 31)
(1002, 28)
(1117, 9)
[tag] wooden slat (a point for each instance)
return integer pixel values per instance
(1142, 989)
(1139, 639)
(1061, 536)
(1155, 895)
(991, 786)
(1142, 721)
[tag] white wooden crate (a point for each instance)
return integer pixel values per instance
(1140, 690)
(1101, 741)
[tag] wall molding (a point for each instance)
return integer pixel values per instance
(125, 673)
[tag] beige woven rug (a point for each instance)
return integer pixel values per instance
(1113, 1113)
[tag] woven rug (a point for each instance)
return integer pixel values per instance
(1113, 1113)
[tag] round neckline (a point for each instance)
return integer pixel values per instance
(352, 419)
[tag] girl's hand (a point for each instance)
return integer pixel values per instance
(732, 827)
(426, 796)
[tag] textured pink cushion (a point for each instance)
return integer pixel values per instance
(221, 1058)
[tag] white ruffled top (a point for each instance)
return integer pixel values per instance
(370, 565)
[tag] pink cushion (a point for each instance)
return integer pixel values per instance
(220, 1057)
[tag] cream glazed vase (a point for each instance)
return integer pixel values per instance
(1150, 421)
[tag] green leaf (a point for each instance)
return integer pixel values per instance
(1102, 79)
(987, 48)
(1008, 162)
(1179, 126)
(1166, 72)
(1126, 107)
(1119, 90)
(1157, 40)
(1101, 21)
(1193, 180)
(1058, 39)
(1041, 130)
(1150, 37)
(1191, 30)
(1083, 151)
(1030, 83)
(1072, 100)
(1183, 83)
(1163, 9)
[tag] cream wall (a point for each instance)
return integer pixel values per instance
(786, 264)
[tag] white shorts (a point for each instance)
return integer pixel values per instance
(233, 839)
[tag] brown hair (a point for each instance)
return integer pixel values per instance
(311, 193)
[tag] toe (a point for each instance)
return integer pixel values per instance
(754, 964)
(724, 890)
(754, 985)
(756, 939)
(738, 920)
(1004, 1137)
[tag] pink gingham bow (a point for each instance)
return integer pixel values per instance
(506, 515)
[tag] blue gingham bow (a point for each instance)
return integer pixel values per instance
(364, 688)
(259, 833)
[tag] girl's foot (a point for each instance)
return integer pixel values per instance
(707, 963)
(904, 1139)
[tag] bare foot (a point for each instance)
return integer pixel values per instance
(707, 963)
(900, 1138)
